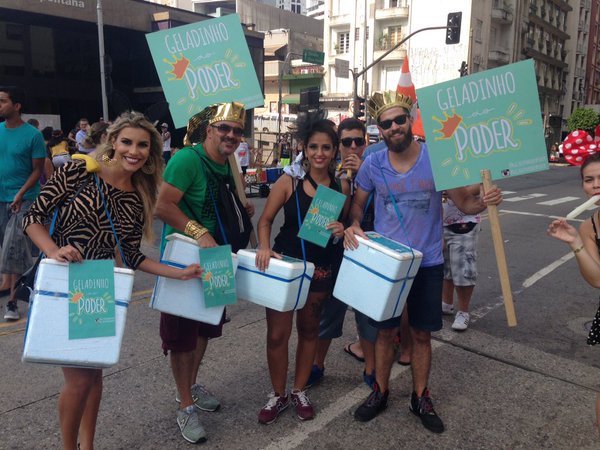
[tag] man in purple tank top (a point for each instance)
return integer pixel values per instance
(401, 179)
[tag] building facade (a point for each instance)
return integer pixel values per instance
(51, 49)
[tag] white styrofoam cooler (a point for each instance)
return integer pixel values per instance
(372, 277)
(278, 287)
(184, 298)
(47, 334)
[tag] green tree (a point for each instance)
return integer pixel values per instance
(583, 119)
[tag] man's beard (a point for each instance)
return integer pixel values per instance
(402, 145)
(225, 140)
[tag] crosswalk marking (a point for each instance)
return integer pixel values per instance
(558, 201)
(524, 197)
(508, 192)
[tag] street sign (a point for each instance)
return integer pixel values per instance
(313, 57)
(342, 68)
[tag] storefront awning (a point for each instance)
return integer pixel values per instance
(291, 99)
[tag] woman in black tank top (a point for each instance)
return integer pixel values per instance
(320, 143)
(585, 244)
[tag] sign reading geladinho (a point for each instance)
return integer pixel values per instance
(204, 63)
(489, 120)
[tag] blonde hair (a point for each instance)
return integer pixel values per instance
(145, 184)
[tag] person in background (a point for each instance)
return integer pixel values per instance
(242, 153)
(84, 128)
(166, 137)
(294, 196)
(461, 234)
(22, 155)
(34, 123)
(585, 244)
(96, 136)
(125, 186)
(59, 149)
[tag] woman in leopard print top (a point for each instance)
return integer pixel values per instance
(128, 181)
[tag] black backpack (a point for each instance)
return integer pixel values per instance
(233, 222)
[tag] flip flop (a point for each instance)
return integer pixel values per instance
(348, 349)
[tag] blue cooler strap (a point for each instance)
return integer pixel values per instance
(294, 181)
(112, 225)
(407, 240)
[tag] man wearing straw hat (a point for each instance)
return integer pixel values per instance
(185, 205)
(407, 209)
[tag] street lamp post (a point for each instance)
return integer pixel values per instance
(281, 72)
(102, 62)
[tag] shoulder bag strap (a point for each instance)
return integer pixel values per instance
(112, 225)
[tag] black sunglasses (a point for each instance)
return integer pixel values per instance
(347, 142)
(398, 120)
(226, 129)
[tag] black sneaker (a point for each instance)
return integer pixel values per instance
(373, 405)
(422, 407)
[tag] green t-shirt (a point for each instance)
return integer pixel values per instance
(186, 173)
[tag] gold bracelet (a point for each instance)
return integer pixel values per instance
(195, 230)
(578, 249)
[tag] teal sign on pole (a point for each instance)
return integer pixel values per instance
(204, 63)
(489, 120)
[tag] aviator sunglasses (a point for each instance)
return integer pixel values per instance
(358, 141)
(225, 129)
(398, 120)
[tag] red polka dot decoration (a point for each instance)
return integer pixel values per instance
(578, 146)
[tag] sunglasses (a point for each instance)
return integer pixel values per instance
(398, 120)
(226, 129)
(358, 141)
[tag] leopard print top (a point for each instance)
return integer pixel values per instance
(82, 221)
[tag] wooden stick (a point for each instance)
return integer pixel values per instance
(241, 192)
(500, 256)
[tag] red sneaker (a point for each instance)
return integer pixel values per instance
(274, 407)
(304, 409)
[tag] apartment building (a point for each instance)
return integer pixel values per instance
(561, 36)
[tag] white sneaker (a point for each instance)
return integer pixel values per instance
(461, 321)
(12, 312)
(447, 309)
(190, 427)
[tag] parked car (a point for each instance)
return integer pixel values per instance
(373, 133)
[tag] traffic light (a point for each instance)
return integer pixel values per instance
(359, 107)
(464, 69)
(453, 28)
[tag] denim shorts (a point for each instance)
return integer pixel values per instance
(15, 257)
(424, 302)
(332, 321)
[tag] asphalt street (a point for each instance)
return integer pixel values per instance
(496, 387)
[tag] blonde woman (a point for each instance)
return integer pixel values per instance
(123, 186)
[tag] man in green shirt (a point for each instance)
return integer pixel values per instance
(186, 205)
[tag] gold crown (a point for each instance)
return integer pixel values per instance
(196, 129)
(231, 112)
(381, 101)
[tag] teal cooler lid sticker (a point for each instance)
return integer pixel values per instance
(388, 243)
(218, 281)
(92, 299)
